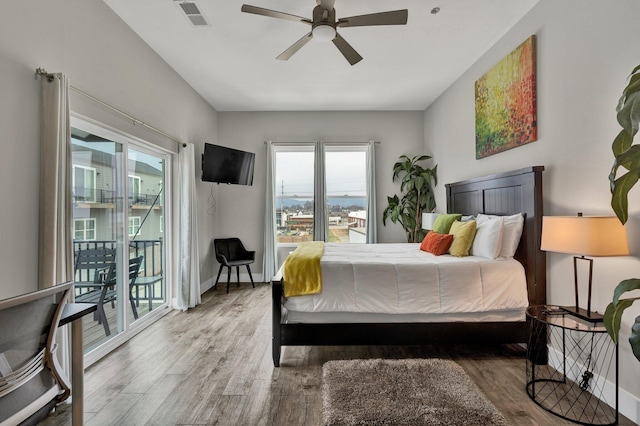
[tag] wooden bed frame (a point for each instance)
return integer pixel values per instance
(518, 191)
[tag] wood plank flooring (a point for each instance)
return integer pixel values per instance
(212, 366)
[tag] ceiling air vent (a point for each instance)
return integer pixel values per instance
(193, 13)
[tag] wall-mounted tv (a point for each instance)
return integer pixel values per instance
(227, 165)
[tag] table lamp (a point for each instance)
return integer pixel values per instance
(582, 236)
(428, 219)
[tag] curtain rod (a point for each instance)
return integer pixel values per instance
(326, 142)
(40, 72)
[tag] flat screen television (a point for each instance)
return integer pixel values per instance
(227, 165)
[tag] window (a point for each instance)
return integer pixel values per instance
(134, 189)
(294, 194)
(345, 193)
(84, 184)
(346, 183)
(134, 225)
(84, 229)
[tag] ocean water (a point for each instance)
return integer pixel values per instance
(344, 201)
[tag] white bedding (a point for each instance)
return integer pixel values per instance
(402, 279)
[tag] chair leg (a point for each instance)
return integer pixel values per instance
(250, 276)
(238, 275)
(133, 305)
(218, 277)
(103, 317)
(228, 277)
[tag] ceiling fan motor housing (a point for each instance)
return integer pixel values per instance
(324, 23)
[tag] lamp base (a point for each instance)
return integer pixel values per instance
(583, 314)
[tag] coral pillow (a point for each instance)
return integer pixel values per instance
(436, 243)
(463, 234)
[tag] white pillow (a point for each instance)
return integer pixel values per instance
(488, 240)
(511, 232)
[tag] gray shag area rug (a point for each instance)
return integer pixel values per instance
(403, 392)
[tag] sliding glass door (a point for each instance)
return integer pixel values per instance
(119, 228)
(145, 231)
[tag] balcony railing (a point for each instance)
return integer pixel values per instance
(104, 196)
(152, 264)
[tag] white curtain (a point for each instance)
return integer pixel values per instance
(270, 259)
(55, 251)
(372, 229)
(320, 222)
(189, 291)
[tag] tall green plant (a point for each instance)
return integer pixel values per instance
(627, 157)
(417, 196)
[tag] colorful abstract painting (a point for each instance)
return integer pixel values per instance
(506, 102)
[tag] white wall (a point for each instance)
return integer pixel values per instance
(585, 51)
(102, 56)
(241, 209)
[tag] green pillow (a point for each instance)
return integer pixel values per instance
(443, 222)
(463, 234)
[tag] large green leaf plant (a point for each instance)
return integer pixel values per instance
(624, 175)
(417, 196)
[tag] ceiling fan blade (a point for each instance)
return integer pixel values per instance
(347, 51)
(395, 17)
(274, 14)
(295, 47)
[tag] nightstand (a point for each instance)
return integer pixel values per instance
(568, 364)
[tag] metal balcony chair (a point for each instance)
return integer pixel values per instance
(231, 253)
(134, 269)
(31, 380)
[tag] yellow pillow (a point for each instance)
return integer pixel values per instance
(463, 234)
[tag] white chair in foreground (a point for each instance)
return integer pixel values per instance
(31, 380)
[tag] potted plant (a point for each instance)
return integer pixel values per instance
(627, 157)
(417, 196)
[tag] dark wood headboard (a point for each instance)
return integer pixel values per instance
(518, 191)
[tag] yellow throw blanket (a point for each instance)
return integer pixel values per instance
(302, 273)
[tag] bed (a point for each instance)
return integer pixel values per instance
(518, 191)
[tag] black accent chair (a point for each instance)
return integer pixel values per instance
(229, 253)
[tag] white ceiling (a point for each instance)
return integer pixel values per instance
(231, 61)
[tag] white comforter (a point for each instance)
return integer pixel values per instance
(401, 279)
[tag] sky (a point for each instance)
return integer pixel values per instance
(109, 148)
(346, 173)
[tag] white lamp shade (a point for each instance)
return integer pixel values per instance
(584, 235)
(428, 220)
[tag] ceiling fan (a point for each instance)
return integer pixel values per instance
(324, 25)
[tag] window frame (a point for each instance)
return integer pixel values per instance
(85, 170)
(130, 223)
(84, 229)
(309, 147)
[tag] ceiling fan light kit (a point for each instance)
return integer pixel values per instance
(324, 26)
(323, 32)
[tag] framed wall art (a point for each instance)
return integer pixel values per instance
(506, 102)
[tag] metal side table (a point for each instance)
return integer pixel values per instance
(568, 364)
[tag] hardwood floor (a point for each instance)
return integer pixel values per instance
(212, 366)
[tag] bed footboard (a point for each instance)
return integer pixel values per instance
(386, 333)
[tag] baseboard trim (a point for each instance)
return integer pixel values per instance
(244, 278)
